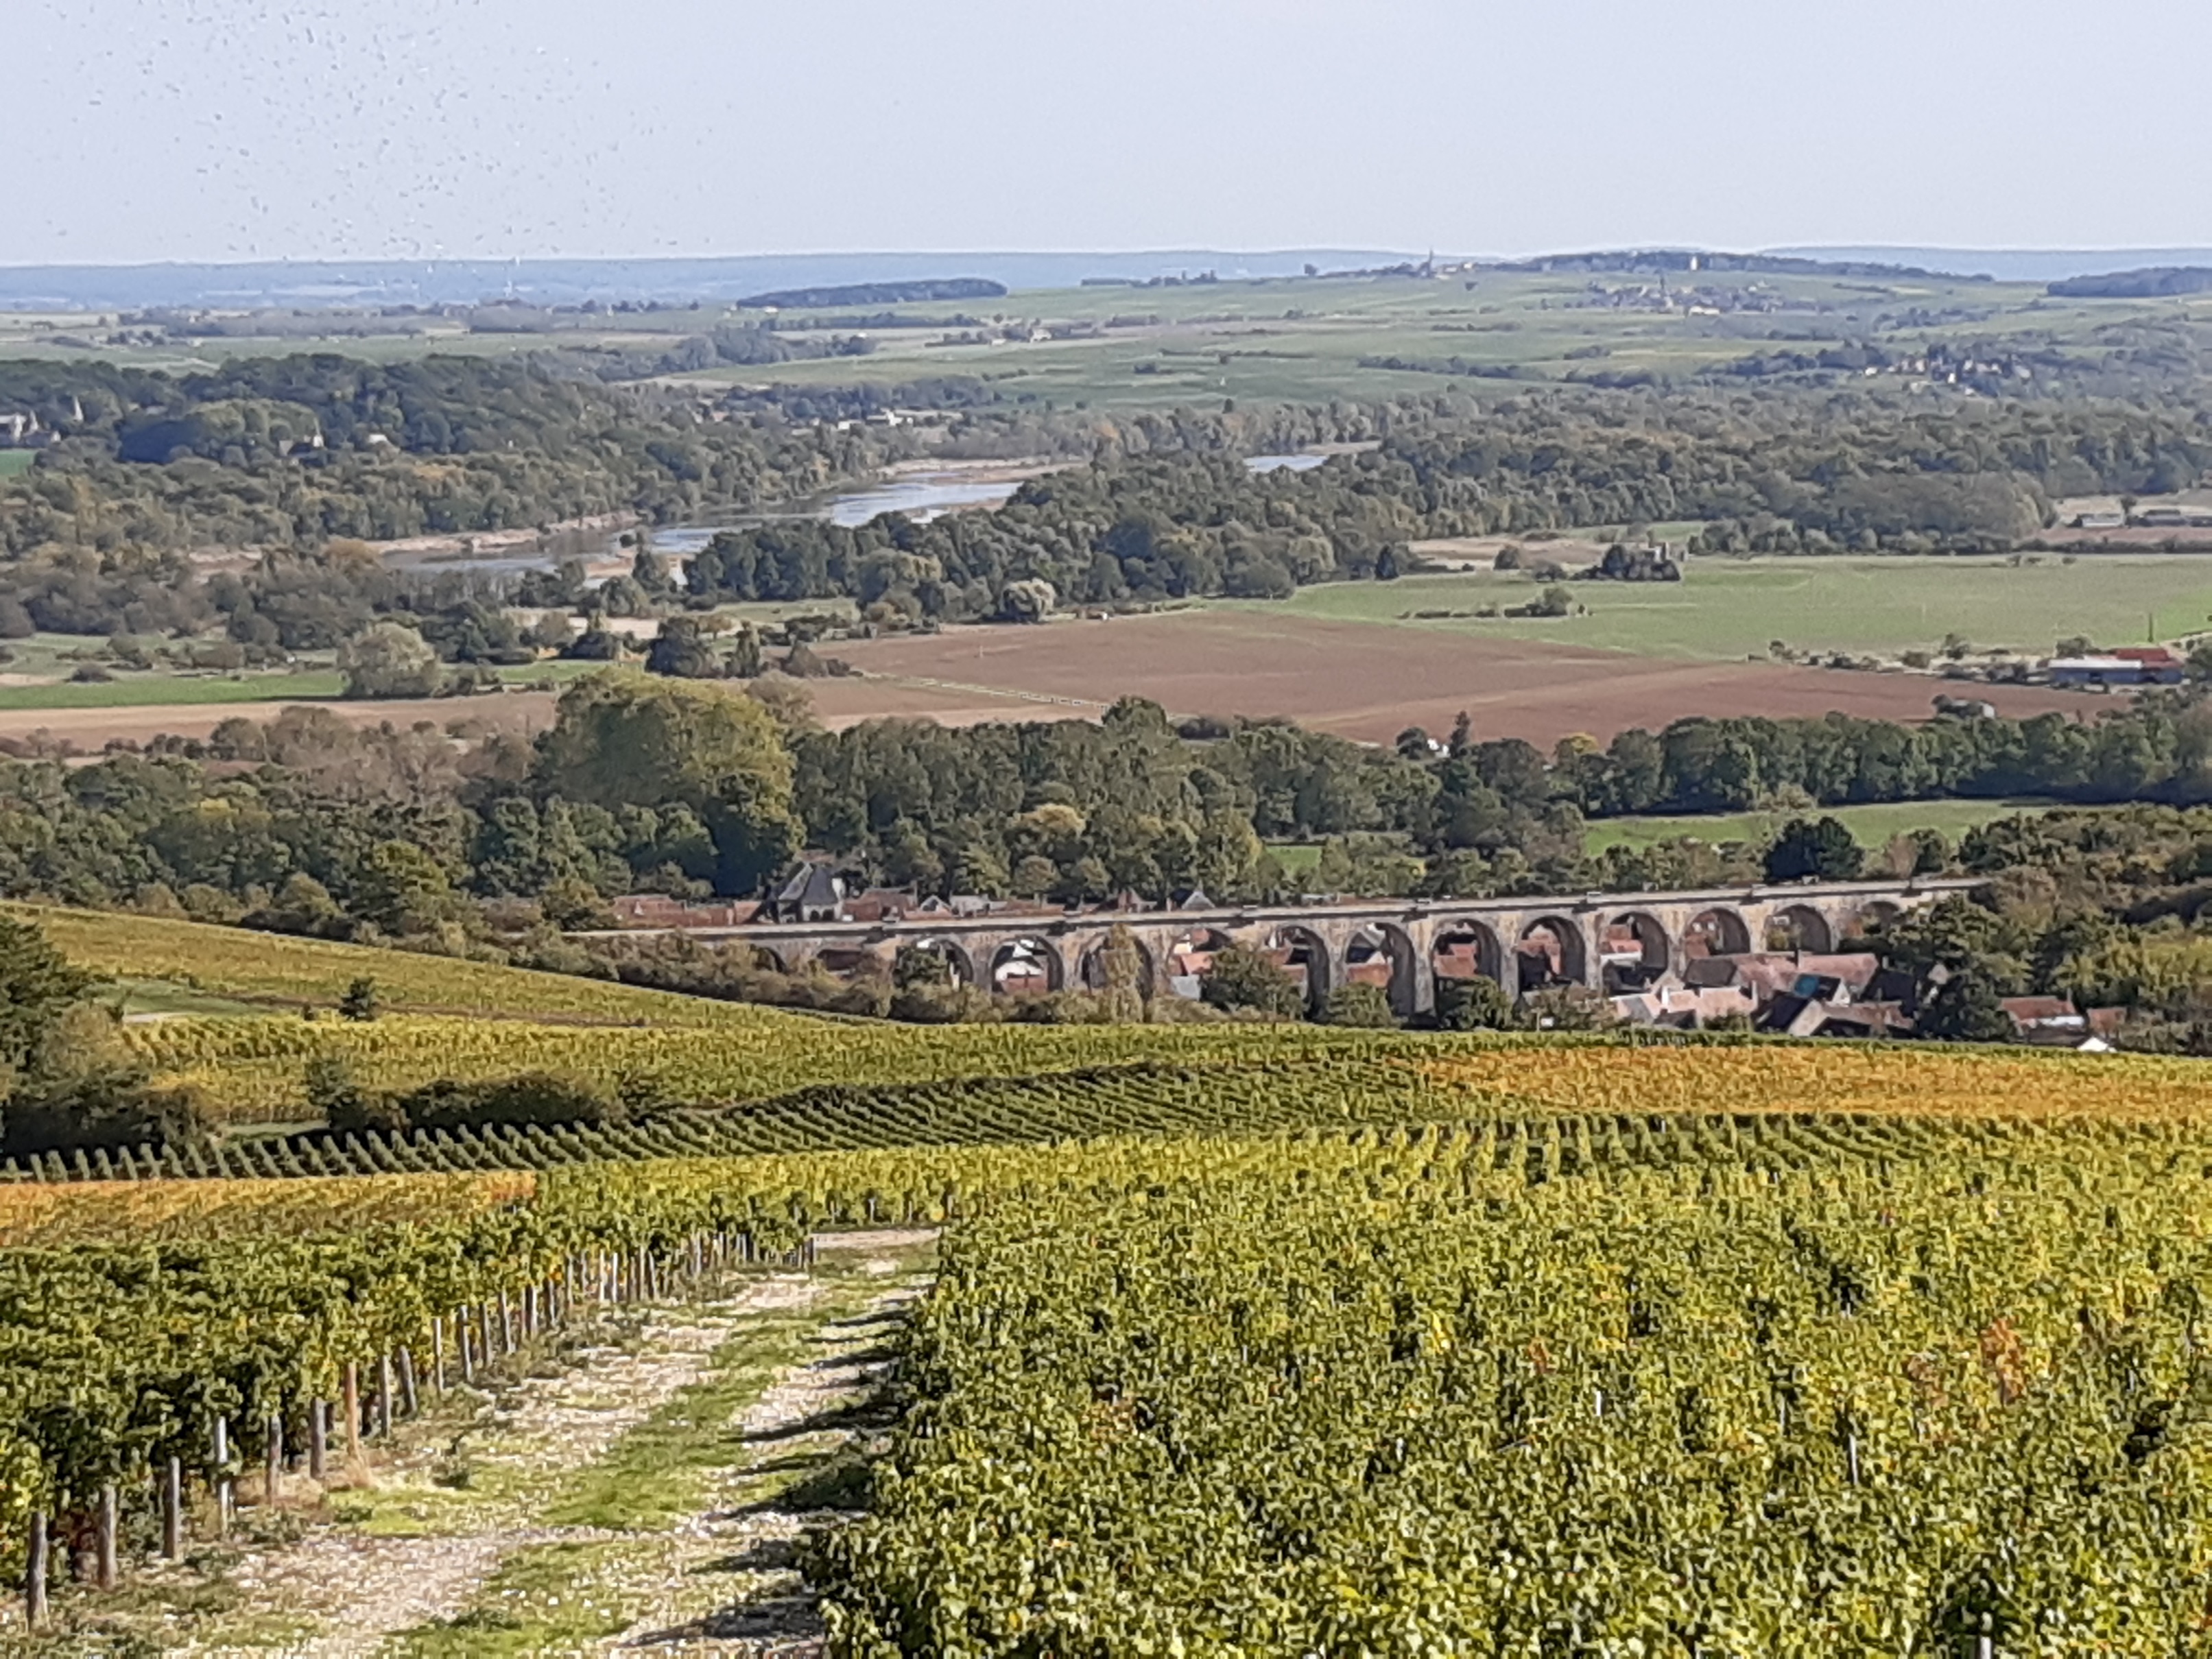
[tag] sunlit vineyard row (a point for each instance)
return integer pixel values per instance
(254, 1070)
(1084, 1104)
(291, 972)
(1059, 1107)
(1431, 1400)
(1915, 1079)
(48, 1216)
(113, 1355)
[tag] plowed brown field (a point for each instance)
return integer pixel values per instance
(1364, 681)
(1359, 680)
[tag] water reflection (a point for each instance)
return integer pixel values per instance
(921, 496)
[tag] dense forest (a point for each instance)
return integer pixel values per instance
(288, 453)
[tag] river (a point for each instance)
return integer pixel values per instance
(922, 495)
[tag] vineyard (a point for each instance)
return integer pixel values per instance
(253, 1071)
(1078, 1105)
(52, 1217)
(1584, 1401)
(1883, 1080)
(290, 974)
(116, 1352)
(1256, 1082)
(1247, 1339)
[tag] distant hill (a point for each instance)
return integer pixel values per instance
(1688, 260)
(2008, 265)
(2153, 282)
(877, 294)
(322, 284)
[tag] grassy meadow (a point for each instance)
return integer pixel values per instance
(156, 687)
(1733, 608)
(37, 676)
(1872, 827)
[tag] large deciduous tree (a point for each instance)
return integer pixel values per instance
(623, 740)
(390, 660)
(1824, 850)
(1241, 978)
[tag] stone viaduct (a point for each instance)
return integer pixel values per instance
(1603, 941)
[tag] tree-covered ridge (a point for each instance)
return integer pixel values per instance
(286, 453)
(502, 849)
(1840, 469)
(1768, 472)
(289, 452)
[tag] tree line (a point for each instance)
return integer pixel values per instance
(482, 843)
(647, 783)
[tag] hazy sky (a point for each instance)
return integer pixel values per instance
(263, 129)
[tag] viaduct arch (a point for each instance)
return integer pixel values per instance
(1605, 942)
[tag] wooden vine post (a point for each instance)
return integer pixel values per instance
(34, 1574)
(107, 1567)
(173, 1510)
(352, 1407)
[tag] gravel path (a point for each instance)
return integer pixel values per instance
(742, 1546)
(361, 1589)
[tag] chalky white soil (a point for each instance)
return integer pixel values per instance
(720, 1581)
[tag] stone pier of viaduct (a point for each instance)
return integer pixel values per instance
(1523, 943)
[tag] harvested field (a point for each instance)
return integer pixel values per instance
(88, 730)
(1363, 680)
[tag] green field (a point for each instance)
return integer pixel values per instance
(1871, 826)
(1304, 340)
(1730, 608)
(12, 461)
(1268, 340)
(128, 690)
(173, 688)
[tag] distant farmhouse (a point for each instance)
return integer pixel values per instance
(2140, 664)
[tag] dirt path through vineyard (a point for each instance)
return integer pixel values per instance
(733, 1586)
(624, 1501)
